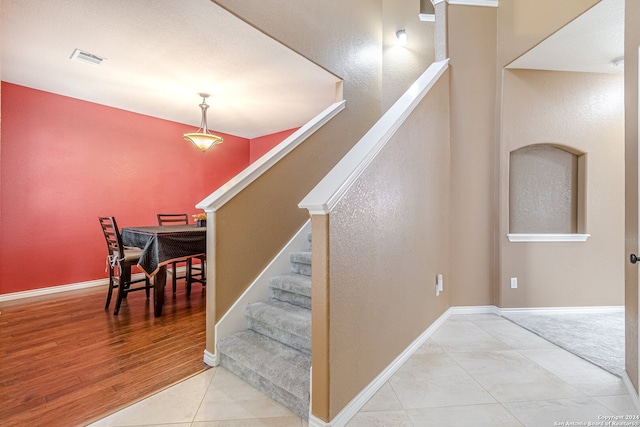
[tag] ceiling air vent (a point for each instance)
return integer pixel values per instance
(86, 57)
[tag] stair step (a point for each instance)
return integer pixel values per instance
(277, 370)
(292, 288)
(301, 262)
(287, 323)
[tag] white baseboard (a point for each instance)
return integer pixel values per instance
(477, 309)
(66, 288)
(211, 359)
(54, 290)
(561, 310)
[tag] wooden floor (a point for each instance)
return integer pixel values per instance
(65, 361)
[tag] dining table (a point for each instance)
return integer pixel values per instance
(162, 245)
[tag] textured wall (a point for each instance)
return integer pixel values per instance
(402, 64)
(525, 23)
(347, 39)
(472, 48)
(65, 162)
(388, 240)
(584, 112)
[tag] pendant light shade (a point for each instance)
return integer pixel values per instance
(202, 138)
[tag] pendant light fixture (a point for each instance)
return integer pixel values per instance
(202, 138)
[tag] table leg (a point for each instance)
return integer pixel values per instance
(159, 281)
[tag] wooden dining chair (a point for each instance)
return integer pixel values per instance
(120, 259)
(194, 272)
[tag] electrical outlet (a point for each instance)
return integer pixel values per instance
(514, 282)
(439, 287)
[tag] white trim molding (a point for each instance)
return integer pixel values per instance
(533, 237)
(236, 184)
(561, 310)
(324, 196)
(211, 359)
(55, 289)
(485, 3)
(66, 288)
(427, 17)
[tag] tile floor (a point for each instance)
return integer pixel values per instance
(475, 370)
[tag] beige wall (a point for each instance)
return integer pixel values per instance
(584, 112)
(525, 23)
(632, 43)
(472, 49)
(346, 39)
(388, 241)
(402, 64)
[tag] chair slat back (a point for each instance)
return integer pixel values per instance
(111, 234)
(173, 219)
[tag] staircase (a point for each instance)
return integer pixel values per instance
(274, 353)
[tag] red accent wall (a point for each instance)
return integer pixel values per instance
(259, 146)
(64, 162)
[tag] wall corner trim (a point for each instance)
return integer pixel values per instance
(238, 183)
(533, 237)
(324, 196)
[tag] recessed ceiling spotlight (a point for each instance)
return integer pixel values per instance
(618, 62)
(86, 57)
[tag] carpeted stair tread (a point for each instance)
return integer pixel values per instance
(284, 322)
(292, 282)
(292, 288)
(276, 369)
(288, 317)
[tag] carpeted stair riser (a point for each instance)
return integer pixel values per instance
(277, 370)
(292, 288)
(301, 263)
(283, 322)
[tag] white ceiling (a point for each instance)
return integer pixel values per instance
(590, 43)
(160, 55)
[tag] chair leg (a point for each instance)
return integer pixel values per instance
(147, 283)
(189, 276)
(123, 285)
(174, 275)
(111, 281)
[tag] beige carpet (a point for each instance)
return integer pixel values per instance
(597, 336)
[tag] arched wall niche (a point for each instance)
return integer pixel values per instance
(547, 188)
